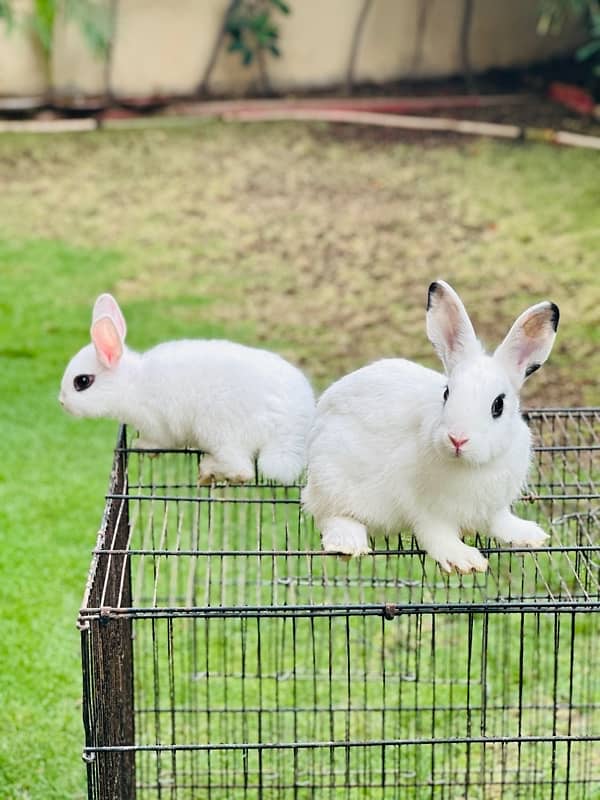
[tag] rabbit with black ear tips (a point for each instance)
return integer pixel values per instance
(395, 443)
(234, 402)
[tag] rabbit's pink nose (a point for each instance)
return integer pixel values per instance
(458, 441)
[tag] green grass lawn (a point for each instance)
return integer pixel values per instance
(279, 235)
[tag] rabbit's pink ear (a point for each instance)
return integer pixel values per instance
(107, 306)
(107, 341)
(529, 342)
(448, 326)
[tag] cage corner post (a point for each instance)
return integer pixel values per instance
(112, 647)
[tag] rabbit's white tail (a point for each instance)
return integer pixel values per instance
(282, 461)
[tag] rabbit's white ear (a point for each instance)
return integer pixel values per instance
(107, 306)
(107, 341)
(529, 342)
(448, 326)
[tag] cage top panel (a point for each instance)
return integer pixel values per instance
(181, 549)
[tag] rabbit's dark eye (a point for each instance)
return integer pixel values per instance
(446, 393)
(498, 406)
(82, 382)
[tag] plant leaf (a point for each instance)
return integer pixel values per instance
(585, 51)
(94, 20)
(42, 20)
(7, 14)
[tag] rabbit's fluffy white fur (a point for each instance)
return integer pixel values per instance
(234, 402)
(396, 444)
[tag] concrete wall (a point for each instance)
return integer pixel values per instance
(163, 47)
(22, 66)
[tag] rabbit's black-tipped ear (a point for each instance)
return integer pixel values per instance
(107, 306)
(448, 326)
(529, 342)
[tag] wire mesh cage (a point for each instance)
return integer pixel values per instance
(225, 656)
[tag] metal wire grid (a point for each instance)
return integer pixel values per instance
(265, 667)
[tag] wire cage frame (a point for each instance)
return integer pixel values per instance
(224, 655)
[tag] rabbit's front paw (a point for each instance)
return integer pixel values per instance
(346, 536)
(508, 528)
(457, 555)
(523, 533)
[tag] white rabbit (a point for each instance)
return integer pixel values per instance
(234, 402)
(395, 443)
